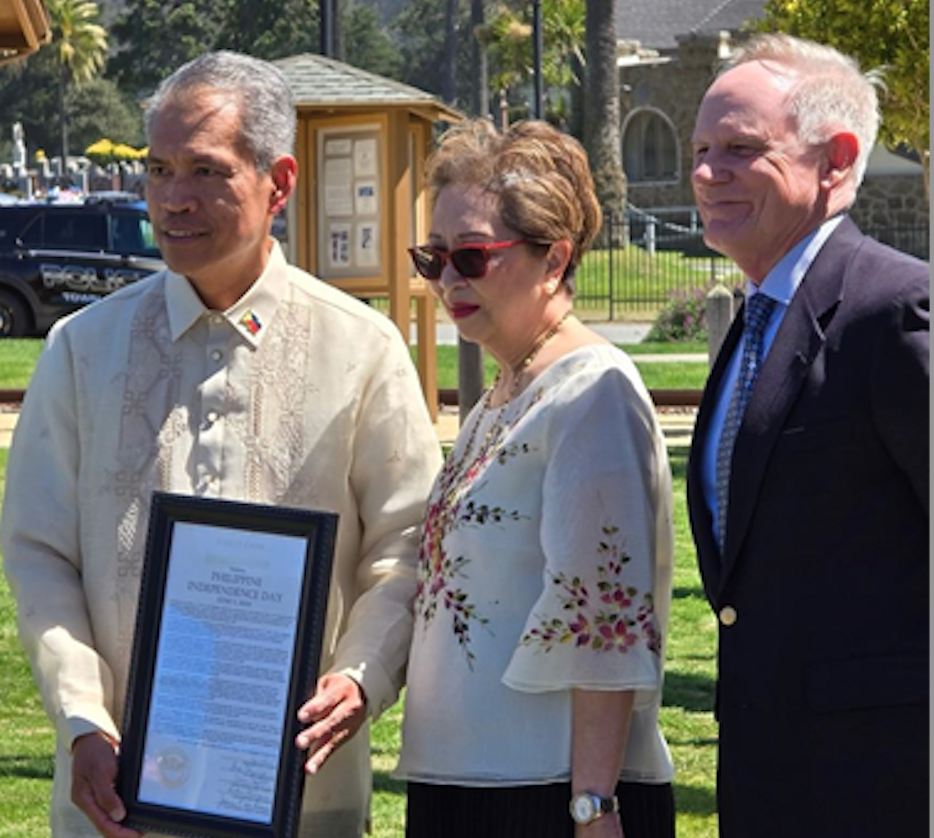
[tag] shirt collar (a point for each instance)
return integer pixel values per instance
(783, 280)
(249, 316)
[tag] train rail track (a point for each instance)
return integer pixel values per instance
(661, 398)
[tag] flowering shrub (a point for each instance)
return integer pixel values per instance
(683, 318)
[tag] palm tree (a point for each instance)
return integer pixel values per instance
(601, 111)
(79, 44)
(508, 38)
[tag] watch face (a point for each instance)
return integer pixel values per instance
(582, 809)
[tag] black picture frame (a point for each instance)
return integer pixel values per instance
(205, 636)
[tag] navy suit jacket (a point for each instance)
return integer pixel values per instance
(822, 593)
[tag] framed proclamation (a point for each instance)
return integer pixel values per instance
(227, 648)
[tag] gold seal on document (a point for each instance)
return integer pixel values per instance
(173, 767)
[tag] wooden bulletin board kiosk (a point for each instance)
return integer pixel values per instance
(361, 202)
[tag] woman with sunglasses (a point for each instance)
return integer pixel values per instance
(544, 573)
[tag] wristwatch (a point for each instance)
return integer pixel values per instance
(587, 807)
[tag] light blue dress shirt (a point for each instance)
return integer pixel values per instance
(780, 284)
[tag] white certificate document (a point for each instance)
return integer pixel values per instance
(364, 157)
(339, 245)
(222, 671)
(338, 187)
(366, 250)
(365, 197)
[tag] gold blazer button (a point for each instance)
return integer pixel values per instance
(728, 615)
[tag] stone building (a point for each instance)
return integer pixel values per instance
(668, 54)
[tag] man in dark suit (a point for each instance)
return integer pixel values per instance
(808, 477)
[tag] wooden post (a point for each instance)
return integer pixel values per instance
(469, 376)
(427, 351)
(400, 217)
(719, 311)
(503, 111)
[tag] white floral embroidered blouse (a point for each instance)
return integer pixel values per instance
(545, 565)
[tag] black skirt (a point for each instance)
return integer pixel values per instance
(647, 811)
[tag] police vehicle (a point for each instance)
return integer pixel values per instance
(56, 258)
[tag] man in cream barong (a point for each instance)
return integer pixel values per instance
(230, 375)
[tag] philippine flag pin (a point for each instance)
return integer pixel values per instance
(251, 322)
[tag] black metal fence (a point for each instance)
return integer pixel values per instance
(642, 259)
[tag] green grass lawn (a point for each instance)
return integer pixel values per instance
(688, 347)
(658, 375)
(18, 359)
(26, 738)
(666, 375)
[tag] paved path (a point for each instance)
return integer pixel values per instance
(624, 333)
(673, 357)
(614, 332)
(7, 423)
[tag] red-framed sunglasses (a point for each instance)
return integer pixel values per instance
(471, 261)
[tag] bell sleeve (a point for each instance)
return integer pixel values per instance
(605, 509)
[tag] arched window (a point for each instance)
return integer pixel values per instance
(650, 148)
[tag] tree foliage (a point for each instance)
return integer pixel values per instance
(419, 31)
(269, 29)
(156, 37)
(367, 43)
(890, 34)
(98, 109)
(79, 45)
(79, 42)
(508, 37)
(424, 43)
(29, 94)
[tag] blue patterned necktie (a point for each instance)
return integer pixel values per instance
(757, 312)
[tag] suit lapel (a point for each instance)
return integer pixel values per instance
(799, 341)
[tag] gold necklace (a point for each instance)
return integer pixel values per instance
(519, 369)
(458, 470)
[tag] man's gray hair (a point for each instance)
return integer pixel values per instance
(267, 108)
(832, 94)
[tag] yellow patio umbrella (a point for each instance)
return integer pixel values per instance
(122, 151)
(101, 152)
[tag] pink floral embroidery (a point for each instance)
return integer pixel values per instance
(605, 615)
(450, 508)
